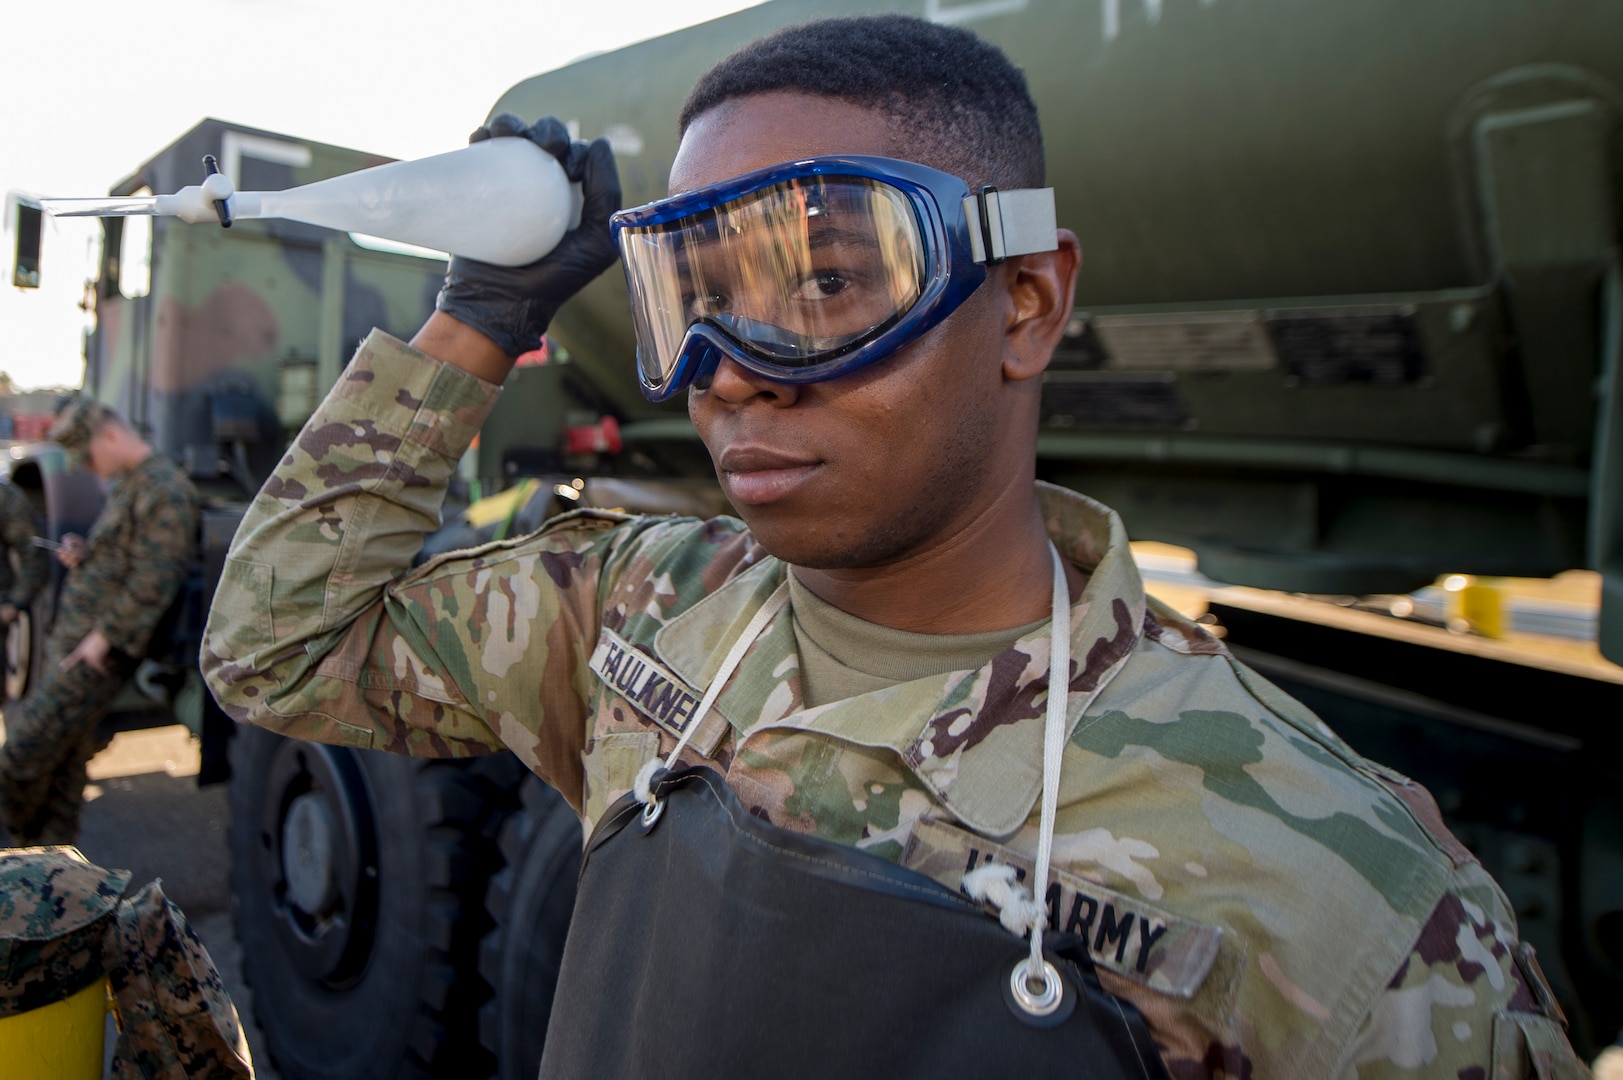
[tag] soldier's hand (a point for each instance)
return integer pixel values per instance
(512, 306)
(72, 551)
(92, 652)
(8, 614)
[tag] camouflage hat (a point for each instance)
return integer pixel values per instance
(176, 1021)
(54, 910)
(75, 423)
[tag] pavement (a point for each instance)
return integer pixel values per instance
(145, 813)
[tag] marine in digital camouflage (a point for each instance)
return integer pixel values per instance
(135, 559)
(176, 1021)
(50, 736)
(134, 563)
(65, 925)
(1272, 903)
(17, 531)
(54, 910)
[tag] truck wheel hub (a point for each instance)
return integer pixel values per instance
(307, 854)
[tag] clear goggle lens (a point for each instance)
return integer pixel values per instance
(795, 273)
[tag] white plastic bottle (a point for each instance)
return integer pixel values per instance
(503, 201)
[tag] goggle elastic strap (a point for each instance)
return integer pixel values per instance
(1018, 222)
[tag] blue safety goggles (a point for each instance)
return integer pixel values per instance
(812, 269)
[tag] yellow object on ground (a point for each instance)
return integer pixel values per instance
(59, 1041)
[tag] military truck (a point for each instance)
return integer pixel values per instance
(1350, 318)
(359, 878)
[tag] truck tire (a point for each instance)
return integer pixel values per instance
(25, 648)
(530, 903)
(73, 500)
(25, 639)
(358, 880)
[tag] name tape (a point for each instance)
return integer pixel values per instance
(645, 682)
(1127, 936)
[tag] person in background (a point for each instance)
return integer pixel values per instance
(121, 580)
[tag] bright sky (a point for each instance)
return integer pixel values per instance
(96, 89)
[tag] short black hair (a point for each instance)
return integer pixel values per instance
(954, 100)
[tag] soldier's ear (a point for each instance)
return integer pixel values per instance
(1039, 290)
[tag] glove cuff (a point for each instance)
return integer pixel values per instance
(515, 326)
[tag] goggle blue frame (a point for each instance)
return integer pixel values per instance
(951, 273)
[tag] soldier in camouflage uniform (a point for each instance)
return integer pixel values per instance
(121, 580)
(55, 911)
(1272, 903)
(18, 585)
(66, 924)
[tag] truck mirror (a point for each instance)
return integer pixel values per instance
(28, 225)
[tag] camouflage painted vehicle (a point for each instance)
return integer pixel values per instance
(1351, 317)
(199, 339)
(361, 879)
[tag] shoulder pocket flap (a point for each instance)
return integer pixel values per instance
(612, 762)
(242, 601)
(1526, 1045)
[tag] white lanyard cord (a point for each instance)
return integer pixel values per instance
(1021, 910)
(1059, 685)
(729, 663)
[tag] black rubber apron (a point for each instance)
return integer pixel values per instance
(713, 944)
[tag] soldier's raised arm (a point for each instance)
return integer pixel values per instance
(310, 632)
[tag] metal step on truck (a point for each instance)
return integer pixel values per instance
(1349, 333)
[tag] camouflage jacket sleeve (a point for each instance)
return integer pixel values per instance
(318, 631)
(1469, 1002)
(157, 540)
(17, 533)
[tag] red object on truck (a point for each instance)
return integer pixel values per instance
(602, 437)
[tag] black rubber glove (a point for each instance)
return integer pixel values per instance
(512, 305)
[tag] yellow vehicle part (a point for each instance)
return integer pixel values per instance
(501, 507)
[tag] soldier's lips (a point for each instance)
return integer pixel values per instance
(758, 475)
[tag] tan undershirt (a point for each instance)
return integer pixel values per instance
(842, 656)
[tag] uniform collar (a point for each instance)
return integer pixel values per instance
(144, 465)
(973, 738)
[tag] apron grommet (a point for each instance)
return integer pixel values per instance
(1044, 1003)
(652, 811)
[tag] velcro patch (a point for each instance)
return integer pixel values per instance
(650, 686)
(1135, 940)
